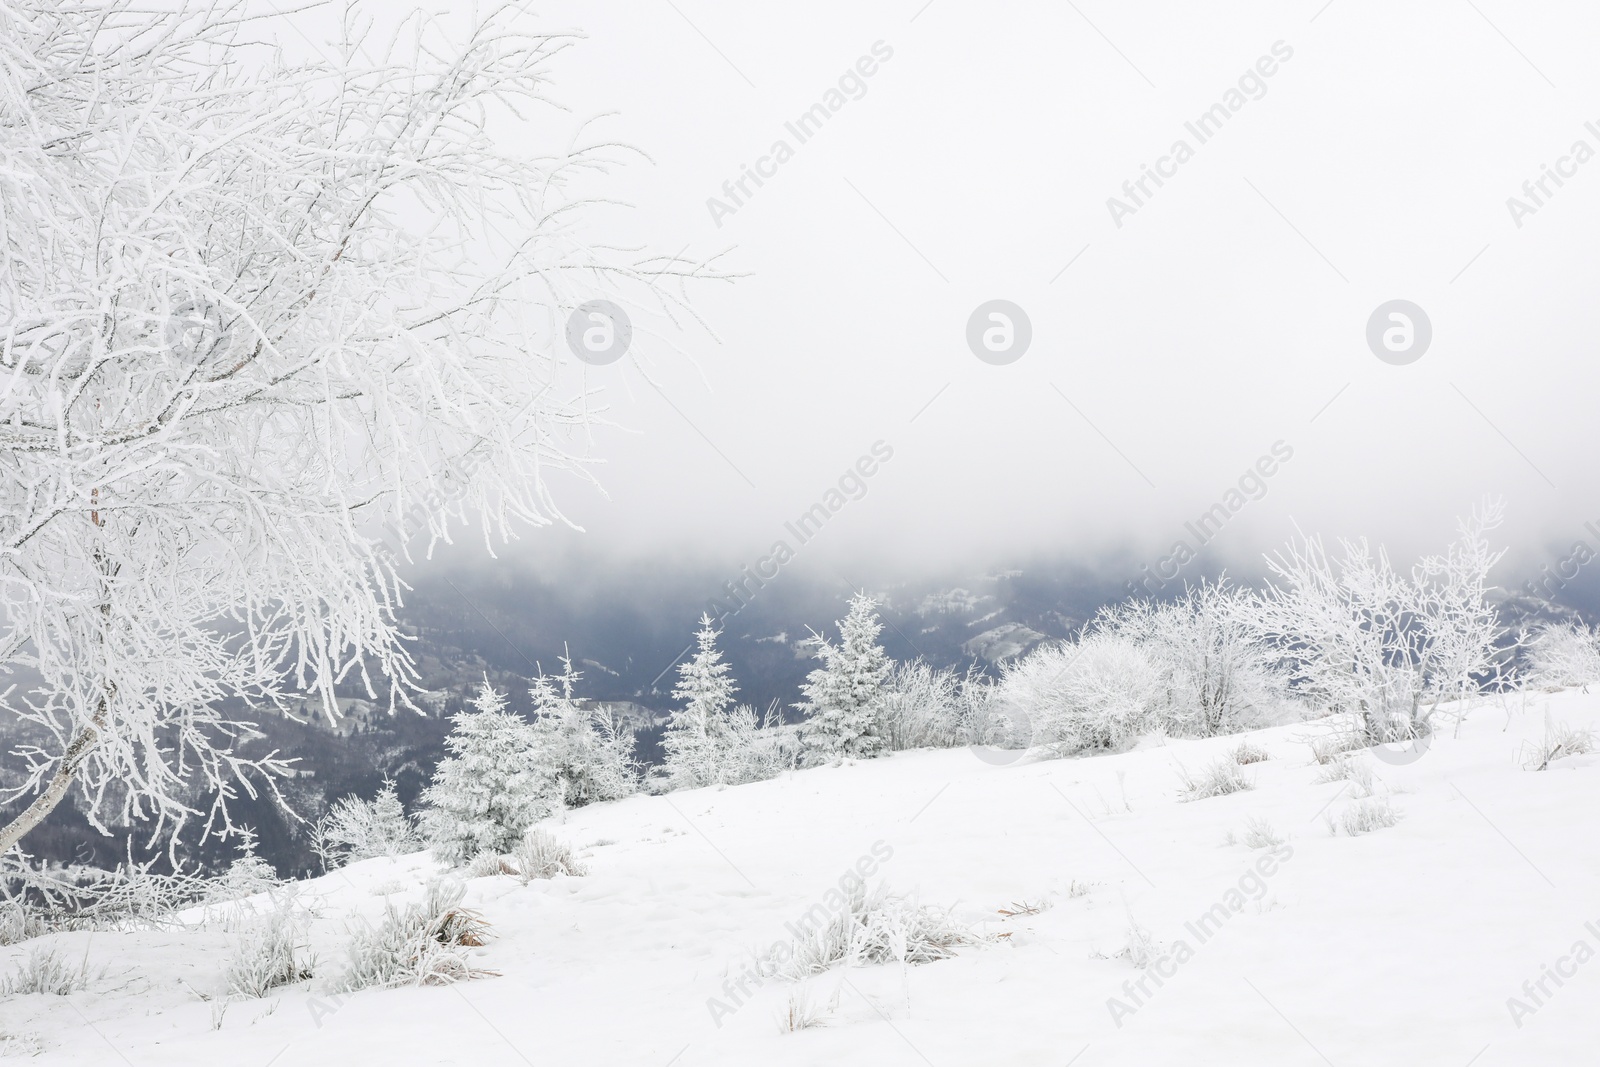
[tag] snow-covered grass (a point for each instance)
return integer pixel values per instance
(423, 943)
(1396, 944)
(540, 855)
(1220, 778)
(45, 969)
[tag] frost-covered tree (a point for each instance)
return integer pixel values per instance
(486, 793)
(1216, 663)
(266, 325)
(1382, 645)
(357, 829)
(698, 735)
(844, 698)
(580, 754)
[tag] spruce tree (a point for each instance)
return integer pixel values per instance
(485, 794)
(844, 697)
(580, 755)
(698, 736)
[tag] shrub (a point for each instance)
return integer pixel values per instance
(757, 749)
(872, 927)
(1565, 655)
(1219, 779)
(19, 922)
(540, 855)
(270, 955)
(1218, 670)
(921, 707)
(419, 944)
(1098, 693)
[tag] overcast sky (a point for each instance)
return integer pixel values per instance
(1173, 345)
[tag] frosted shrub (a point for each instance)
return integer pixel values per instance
(1566, 655)
(418, 944)
(135, 897)
(922, 707)
(46, 970)
(1219, 779)
(1099, 693)
(1218, 670)
(873, 927)
(757, 749)
(356, 829)
(540, 855)
(272, 953)
(18, 922)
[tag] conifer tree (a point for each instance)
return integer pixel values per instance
(844, 697)
(486, 793)
(698, 735)
(580, 755)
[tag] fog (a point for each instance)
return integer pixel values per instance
(1183, 333)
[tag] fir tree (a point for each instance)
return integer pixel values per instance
(580, 755)
(485, 794)
(698, 735)
(844, 697)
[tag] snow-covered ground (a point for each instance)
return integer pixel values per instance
(1400, 946)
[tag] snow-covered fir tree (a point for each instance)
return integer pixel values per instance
(580, 755)
(844, 697)
(486, 793)
(698, 734)
(356, 829)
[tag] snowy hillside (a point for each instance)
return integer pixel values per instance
(1403, 945)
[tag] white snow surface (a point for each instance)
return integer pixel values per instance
(1400, 946)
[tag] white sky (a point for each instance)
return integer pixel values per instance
(1222, 317)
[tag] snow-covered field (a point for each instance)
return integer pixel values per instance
(1398, 946)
